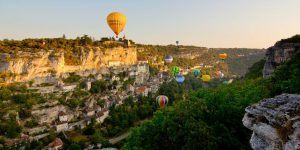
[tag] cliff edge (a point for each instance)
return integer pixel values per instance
(280, 53)
(275, 123)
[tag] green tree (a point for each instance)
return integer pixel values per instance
(98, 86)
(74, 147)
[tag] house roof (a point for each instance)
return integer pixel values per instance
(61, 113)
(141, 89)
(12, 142)
(57, 143)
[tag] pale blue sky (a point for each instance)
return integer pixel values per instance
(210, 23)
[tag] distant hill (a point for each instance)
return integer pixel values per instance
(238, 62)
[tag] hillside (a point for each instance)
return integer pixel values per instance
(212, 118)
(237, 64)
(45, 60)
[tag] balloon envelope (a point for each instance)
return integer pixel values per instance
(116, 21)
(223, 56)
(180, 79)
(196, 72)
(175, 71)
(162, 100)
(206, 78)
(168, 59)
(220, 75)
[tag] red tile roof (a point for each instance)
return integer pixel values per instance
(61, 113)
(141, 89)
(57, 143)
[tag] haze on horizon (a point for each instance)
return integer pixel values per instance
(209, 23)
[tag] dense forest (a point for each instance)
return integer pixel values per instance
(211, 118)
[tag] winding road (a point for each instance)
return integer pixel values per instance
(119, 138)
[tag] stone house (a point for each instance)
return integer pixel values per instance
(68, 88)
(101, 115)
(115, 78)
(47, 115)
(36, 130)
(142, 90)
(62, 116)
(61, 126)
(88, 112)
(11, 142)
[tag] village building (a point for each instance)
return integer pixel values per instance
(68, 88)
(61, 126)
(142, 90)
(57, 144)
(88, 112)
(22, 139)
(101, 115)
(62, 116)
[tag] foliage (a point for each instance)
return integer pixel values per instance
(202, 121)
(97, 137)
(72, 78)
(286, 79)
(31, 124)
(29, 99)
(98, 86)
(74, 147)
(153, 71)
(255, 70)
(172, 90)
(294, 39)
(214, 115)
(124, 116)
(10, 128)
(76, 137)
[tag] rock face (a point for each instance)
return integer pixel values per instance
(277, 55)
(47, 66)
(275, 123)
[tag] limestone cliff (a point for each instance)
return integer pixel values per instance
(47, 66)
(278, 54)
(275, 123)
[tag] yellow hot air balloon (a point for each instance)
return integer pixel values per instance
(205, 78)
(116, 22)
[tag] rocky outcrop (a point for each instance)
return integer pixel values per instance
(275, 123)
(277, 55)
(47, 66)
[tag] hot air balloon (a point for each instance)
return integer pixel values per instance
(168, 59)
(205, 78)
(180, 79)
(162, 101)
(225, 82)
(223, 56)
(196, 72)
(116, 22)
(219, 74)
(175, 71)
(177, 42)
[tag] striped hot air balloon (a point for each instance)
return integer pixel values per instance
(162, 101)
(168, 59)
